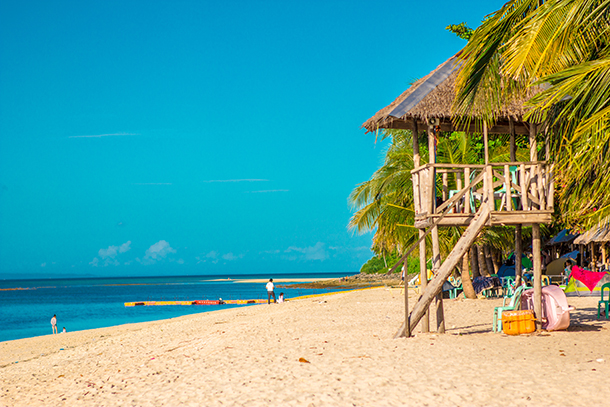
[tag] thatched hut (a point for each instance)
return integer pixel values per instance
(595, 241)
(432, 97)
(427, 105)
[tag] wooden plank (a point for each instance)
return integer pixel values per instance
(541, 196)
(520, 217)
(445, 186)
(436, 285)
(498, 128)
(524, 196)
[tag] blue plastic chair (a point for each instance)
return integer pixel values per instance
(514, 305)
(606, 303)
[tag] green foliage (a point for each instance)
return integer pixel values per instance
(558, 51)
(461, 30)
(377, 264)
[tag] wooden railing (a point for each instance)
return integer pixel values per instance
(509, 186)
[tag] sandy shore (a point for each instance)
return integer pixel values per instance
(251, 357)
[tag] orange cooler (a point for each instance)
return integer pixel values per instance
(518, 322)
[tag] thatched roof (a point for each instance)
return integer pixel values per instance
(597, 234)
(432, 97)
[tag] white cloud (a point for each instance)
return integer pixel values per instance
(236, 180)
(109, 255)
(211, 255)
(152, 183)
(106, 135)
(316, 252)
(157, 252)
(43, 265)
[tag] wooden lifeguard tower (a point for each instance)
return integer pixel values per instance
(499, 193)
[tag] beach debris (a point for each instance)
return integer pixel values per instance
(599, 360)
(303, 360)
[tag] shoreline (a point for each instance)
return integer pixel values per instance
(251, 356)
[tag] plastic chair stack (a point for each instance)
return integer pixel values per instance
(514, 305)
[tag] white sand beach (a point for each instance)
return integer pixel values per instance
(335, 350)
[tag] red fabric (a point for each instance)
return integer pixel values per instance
(587, 277)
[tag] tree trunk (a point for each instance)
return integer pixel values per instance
(482, 262)
(496, 259)
(488, 261)
(467, 287)
(474, 261)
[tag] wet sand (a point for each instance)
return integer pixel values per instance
(335, 350)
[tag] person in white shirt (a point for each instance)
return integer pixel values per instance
(54, 323)
(280, 299)
(270, 292)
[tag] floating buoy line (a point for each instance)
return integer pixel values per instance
(232, 302)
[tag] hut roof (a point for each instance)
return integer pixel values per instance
(432, 97)
(562, 237)
(597, 234)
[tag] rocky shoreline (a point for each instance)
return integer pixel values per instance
(350, 282)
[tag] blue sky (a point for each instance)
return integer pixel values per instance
(198, 137)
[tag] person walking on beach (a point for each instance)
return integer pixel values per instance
(270, 292)
(54, 323)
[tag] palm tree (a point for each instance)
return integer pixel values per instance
(555, 54)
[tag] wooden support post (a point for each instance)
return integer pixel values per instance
(593, 258)
(518, 254)
(520, 179)
(489, 190)
(417, 205)
(537, 274)
(533, 157)
(423, 280)
(406, 282)
(604, 258)
(508, 189)
(513, 147)
(436, 265)
(466, 185)
(445, 186)
(436, 254)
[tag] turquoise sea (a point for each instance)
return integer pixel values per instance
(26, 306)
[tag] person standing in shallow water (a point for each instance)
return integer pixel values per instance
(54, 323)
(270, 292)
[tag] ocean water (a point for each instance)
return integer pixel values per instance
(26, 306)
